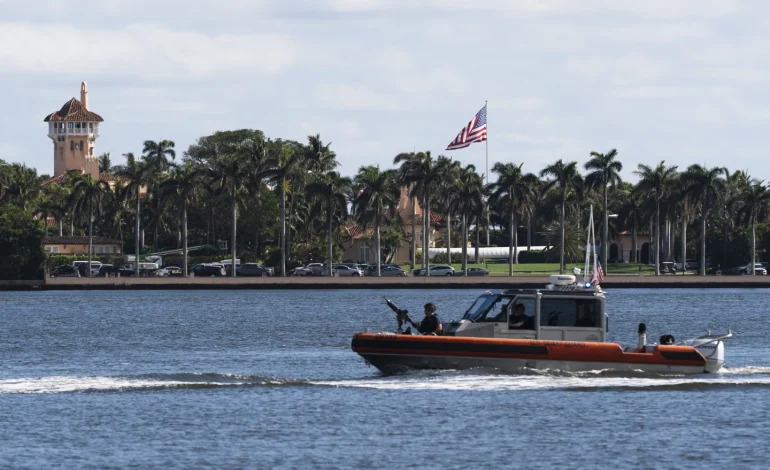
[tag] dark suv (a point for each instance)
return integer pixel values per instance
(208, 270)
(254, 269)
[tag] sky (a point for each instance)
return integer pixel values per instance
(685, 81)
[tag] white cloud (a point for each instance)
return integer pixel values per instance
(146, 51)
(521, 103)
(357, 97)
(634, 69)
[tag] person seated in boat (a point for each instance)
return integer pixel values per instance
(431, 324)
(519, 320)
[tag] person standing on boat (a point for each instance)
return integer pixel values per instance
(431, 324)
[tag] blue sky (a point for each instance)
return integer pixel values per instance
(685, 81)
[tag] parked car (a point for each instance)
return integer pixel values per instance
(343, 270)
(300, 271)
(161, 272)
(436, 270)
(108, 269)
(174, 271)
(65, 271)
(758, 269)
(126, 271)
(371, 269)
(209, 270)
(82, 266)
(477, 272)
(392, 271)
(316, 268)
(254, 269)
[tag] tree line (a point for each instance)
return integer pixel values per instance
(284, 202)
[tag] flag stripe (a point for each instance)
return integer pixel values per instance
(475, 131)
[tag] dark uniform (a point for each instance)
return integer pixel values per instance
(430, 325)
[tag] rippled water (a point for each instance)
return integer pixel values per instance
(266, 379)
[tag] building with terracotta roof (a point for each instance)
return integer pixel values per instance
(74, 130)
(358, 244)
(78, 245)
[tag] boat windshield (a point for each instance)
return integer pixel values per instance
(481, 306)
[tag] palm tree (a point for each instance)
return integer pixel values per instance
(104, 163)
(706, 186)
(331, 192)
(47, 205)
(449, 170)
(135, 176)
(656, 183)
(255, 152)
(469, 197)
(157, 155)
(423, 175)
(24, 185)
(604, 173)
(631, 214)
(755, 201)
(410, 157)
(185, 185)
(566, 177)
(378, 195)
(516, 187)
(319, 157)
(87, 192)
(230, 173)
(285, 162)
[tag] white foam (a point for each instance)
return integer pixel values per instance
(590, 379)
(65, 384)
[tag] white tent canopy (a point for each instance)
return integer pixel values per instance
(487, 252)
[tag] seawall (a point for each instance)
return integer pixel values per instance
(494, 282)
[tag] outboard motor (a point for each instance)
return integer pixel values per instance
(713, 349)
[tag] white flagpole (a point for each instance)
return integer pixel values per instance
(486, 149)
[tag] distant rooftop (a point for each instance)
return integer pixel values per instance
(73, 110)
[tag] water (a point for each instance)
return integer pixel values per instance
(266, 379)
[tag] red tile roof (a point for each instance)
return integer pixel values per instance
(61, 179)
(81, 240)
(73, 110)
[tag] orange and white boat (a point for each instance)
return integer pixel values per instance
(566, 330)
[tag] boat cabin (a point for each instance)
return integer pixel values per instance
(554, 314)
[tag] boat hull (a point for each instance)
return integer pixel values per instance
(393, 354)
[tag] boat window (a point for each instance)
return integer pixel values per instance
(497, 311)
(480, 307)
(570, 312)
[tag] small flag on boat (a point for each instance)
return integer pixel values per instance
(598, 274)
(475, 131)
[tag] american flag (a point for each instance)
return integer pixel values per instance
(598, 274)
(475, 131)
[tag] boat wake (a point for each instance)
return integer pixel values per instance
(136, 383)
(476, 379)
(531, 379)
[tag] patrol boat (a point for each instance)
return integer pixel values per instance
(566, 331)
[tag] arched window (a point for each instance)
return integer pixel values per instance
(72, 145)
(81, 145)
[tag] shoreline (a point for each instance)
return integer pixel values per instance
(494, 282)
